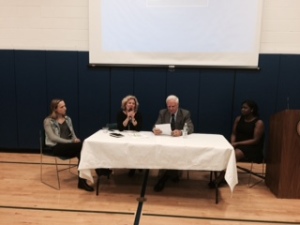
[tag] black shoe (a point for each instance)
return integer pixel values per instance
(103, 172)
(176, 179)
(82, 184)
(217, 183)
(161, 183)
(159, 186)
(212, 184)
(131, 173)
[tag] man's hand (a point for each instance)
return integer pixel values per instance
(157, 131)
(176, 133)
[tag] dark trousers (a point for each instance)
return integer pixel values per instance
(171, 174)
(68, 150)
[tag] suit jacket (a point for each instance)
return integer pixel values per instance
(183, 116)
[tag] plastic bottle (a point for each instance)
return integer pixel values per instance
(185, 130)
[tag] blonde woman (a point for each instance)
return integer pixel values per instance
(129, 118)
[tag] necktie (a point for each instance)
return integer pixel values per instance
(173, 122)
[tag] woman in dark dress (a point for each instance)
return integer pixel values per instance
(247, 137)
(129, 118)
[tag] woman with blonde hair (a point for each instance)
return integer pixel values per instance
(129, 118)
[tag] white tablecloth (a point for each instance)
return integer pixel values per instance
(144, 150)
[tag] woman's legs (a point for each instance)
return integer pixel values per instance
(239, 155)
(68, 150)
(72, 150)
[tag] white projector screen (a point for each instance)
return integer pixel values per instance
(205, 33)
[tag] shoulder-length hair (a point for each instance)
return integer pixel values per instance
(53, 106)
(126, 99)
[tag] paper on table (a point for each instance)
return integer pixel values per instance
(165, 128)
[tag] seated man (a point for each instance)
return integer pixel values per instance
(177, 117)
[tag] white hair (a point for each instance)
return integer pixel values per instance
(172, 97)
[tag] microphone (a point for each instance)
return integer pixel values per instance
(129, 110)
(130, 118)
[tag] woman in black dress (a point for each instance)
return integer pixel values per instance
(129, 118)
(247, 137)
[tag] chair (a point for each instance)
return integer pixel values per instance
(252, 173)
(260, 161)
(48, 151)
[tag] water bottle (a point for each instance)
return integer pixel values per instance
(185, 130)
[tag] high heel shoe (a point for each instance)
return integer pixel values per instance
(103, 172)
(160, 185)
(82, 184)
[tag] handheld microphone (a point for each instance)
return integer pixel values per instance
(129, 110)
(130, 118)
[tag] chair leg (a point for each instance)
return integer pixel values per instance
(262, 175)
(70, 166)
(57, 175)
(250, 174)
(97, 185)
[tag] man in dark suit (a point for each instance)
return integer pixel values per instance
(177, 117)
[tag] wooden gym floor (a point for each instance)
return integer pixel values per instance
(25, 200)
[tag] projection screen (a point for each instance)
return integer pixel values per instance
(201, 33)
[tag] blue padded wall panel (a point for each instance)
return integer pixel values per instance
(62, 81)
(259, 85)
(184, 83)
(150, 89)
(289, 83)
(8, 106)
(30, 79)
(94, 101)
(31, 96)
(122, 84)
(215, 101)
